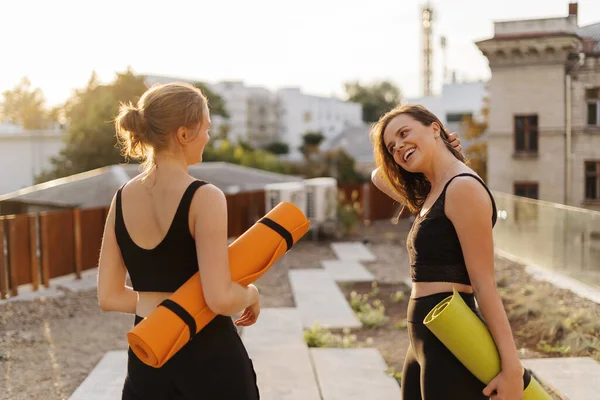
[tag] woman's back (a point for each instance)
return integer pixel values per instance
(154, 230)
(163, 228)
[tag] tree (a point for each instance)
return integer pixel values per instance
(91, 138)
(310, 144)
(342, 167)
(215, 102)
(376, 99)
(476, 151)
(241, 154)
(278, 148)
(24, 106)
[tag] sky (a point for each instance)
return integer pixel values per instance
(314, 44)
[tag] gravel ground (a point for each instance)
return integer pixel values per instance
(48, 346)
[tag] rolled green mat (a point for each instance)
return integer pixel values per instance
(469, 339)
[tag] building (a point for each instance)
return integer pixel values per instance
(261, 116)
(456, 101)
(252, 113)
(356, 142)
(300, 113)
(544, 127)
(24, 154)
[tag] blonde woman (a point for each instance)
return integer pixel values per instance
(163, 226)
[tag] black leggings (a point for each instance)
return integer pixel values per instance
(431, 372)
(214, 365)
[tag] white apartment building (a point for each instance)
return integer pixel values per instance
(25, 154)
(544, 122)
(261, 116)
(456, 101)
(300, 113)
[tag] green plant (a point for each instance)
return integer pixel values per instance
(318, 336)
(402, 325)
(349, 211)
(398, 297)
(547, 348)
(391, 371)
(374, 289)
(373, 316)
(358, 302)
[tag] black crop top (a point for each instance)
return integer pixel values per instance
(172, 262)
(433, 247)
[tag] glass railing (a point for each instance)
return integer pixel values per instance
(553, 236)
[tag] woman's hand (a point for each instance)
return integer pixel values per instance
(454, 141)
(251, 313)
(507, 385)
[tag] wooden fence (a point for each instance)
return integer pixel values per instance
(35, 248)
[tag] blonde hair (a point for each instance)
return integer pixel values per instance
(412, 187)
(145, 129)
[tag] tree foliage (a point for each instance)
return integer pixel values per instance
(25, 106)
(376, 98)
(476, 151)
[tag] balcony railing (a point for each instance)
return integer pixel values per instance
(553, 236)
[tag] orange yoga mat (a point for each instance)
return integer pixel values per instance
(169, 327)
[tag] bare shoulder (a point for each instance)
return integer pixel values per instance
(208, 198)
(467, 195)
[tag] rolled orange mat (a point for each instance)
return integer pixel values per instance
(169, 327)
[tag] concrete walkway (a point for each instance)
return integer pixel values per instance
(105, 382)
(352, 251)
(319, 299)
(576, 378)
(353, 374)
(280, 356)
(347, 271)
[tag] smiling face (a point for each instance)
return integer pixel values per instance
(406, 142)
(411, 143)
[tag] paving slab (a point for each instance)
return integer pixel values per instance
(105, 382)
(347, 271)
(319, 299)
(354, 374)
(352, 251)
(281, 359)
(578, 378)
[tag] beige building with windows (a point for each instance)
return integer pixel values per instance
(544, 122)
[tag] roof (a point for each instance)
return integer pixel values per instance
(591, 32)
(355, 141)
(96, 188)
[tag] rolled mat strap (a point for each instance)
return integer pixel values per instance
(526, 378)
(285, 234)
(181, 313)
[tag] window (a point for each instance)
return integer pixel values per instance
(457, 117)
(592, 96)
(526, 189)
(525, 211)
(307, 116)
(592, 180)
(526, 134)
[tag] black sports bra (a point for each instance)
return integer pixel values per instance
(433, 247)
(172, 262)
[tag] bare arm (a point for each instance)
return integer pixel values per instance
(469, 207)
(381, 184)
(113, 294)
(222, 295)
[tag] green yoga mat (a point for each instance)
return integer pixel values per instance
(467, 337)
